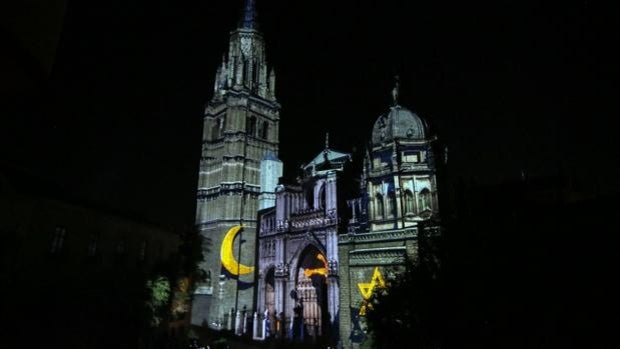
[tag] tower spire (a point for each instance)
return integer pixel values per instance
(248, 19)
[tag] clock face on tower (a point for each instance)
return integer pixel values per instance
(227, 256)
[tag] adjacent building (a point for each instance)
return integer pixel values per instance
(399, 201)
(77, 269)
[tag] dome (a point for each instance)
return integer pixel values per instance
(399, 123)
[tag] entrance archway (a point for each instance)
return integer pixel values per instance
(310, 312)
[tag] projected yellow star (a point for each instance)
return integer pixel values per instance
(367, 288)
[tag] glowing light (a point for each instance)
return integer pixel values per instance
(317, 271)
(228, 258)
(366, 289)
(183, 285)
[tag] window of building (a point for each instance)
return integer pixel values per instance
(270, 248)
(424, 199)
(58, 240)
(408, 156)
(310, 198)
(254, 73)
(391, 204)
(251, 125)
(380, 206)
(264, 131)
(215, 130)
(408, 201)
(377, 163)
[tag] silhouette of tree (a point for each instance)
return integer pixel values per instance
(411, 306)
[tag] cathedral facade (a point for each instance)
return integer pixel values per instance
(298, 288)
(300, 261)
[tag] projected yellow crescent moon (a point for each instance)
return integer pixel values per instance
(228, 258)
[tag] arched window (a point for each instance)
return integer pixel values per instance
(380, 206)
(424, 199)
(254, 74)
(322, 196)
(264, 131)
(215, 129)
(408, 201)
(310, 198)
(391, 204)
(251, 125)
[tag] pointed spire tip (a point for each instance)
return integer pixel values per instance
(248, 19)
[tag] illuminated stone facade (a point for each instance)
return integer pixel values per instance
(240, 129)
(298, 289)
(398, 202)
(308, 259)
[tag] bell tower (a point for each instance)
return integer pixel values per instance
(241, 124)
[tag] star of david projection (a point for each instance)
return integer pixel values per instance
(366, 289)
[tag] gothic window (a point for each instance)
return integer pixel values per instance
(310, 198)
(408, 201)
(264, 131)
(380, 206)
(234, 68)
(58, 240)
(391, 204)
(254, 73)
(424, 199)
(322, 196)
(251, 125)
(372, 208)
(215, 129)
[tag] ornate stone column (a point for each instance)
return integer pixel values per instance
(260, 292)
(333, 291)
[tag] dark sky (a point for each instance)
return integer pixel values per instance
(508, 85)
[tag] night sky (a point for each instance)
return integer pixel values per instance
(507, 85)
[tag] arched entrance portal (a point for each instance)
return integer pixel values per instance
(310, 312)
